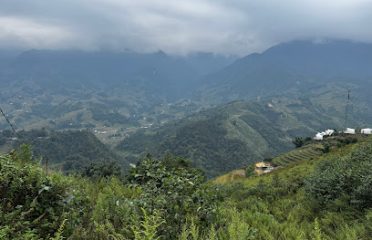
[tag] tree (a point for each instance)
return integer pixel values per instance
(298, 142)
(102, 170)
(178, 190)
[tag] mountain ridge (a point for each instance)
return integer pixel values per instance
(293, 66)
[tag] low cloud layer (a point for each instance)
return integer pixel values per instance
(179, 26)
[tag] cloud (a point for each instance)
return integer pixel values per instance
(15, 32)
(179, 26)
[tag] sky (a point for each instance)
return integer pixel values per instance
(236, 27)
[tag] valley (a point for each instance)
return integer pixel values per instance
(158, 104)
(185, 120)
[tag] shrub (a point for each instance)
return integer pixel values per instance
(347, 179)
(298, 142)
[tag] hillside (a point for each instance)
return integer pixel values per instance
(310, 150)
(68, 151)
(233, 135)
(327, 197)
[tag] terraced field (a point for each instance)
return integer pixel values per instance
(301, 154)
(230, 177)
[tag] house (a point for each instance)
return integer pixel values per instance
(350, 131)
(319, 136)
(263, 167)
(329, 132)
(366, 131)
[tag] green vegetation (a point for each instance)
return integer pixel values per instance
(298, 142)
(228, 137)
(328, 197)
(67, 184)
(69, 151)
(306, 153)
(308, 149)
(153, 202)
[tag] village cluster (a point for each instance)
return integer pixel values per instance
(329, 132)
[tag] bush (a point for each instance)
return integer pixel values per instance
(298, 142)
(32, 202)
(100, 170)
(347, 180)
(178, 190)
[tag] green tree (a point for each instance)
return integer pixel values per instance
(177, 189)
(298, 142)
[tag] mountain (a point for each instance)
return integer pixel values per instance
(241, 132)
(295, 66)
(104, 91)
(142, 102)
(155, 73)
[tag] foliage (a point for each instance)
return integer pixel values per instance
(344, 181)
(100, 170)
(177, 189)
(325, 198)
(32, 203)
(70, 151)
(249, 171)
(153, 203)
(298, 142)
(148, 230)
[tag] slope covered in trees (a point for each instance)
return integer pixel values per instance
(68, 151)
(236, 134)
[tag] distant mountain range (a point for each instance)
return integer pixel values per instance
(75, 89)
(294, 66)
(220, 112)
(157, 73)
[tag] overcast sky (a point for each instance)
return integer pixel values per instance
(179, 26)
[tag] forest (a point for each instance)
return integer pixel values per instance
(68, 151)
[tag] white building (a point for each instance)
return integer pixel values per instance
(350, 131)
(366, 131)
(319, 136)
(329, 132)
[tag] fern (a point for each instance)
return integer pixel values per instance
(212, 234)
(194, 230)
(58, 234)
(238, 229)
(149, 226)
(184, 233)
(317, 233)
